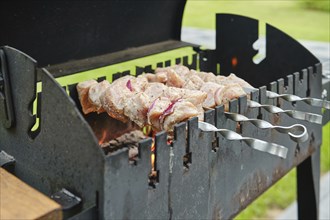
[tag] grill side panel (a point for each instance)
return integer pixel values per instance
(55, 157)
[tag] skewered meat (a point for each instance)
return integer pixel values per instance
(193, 82)
(176, 75)
(181, 70)
(156, 111)
(114, 98)
(210, 88)
(232, 78)
(171, 95)
(136, 108)
(155, 90)
(228, 92)
(82, 89)
(180, 111)
(160, 77)
(94, 94)
(174, 79)
(194, 96)
(138, 84)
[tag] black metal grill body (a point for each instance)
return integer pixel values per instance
(223, 176)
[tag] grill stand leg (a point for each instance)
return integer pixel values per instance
(308, 186)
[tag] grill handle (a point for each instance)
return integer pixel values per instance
(271, 148)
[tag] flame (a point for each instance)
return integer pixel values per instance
(152, 161)
(102, 139)
(153, 151)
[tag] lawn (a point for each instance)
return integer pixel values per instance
(289, 16)
(300, 23)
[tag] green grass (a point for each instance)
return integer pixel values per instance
(325, 152)
(289, 16)
(322, 5)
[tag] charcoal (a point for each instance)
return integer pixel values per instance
(128, 140)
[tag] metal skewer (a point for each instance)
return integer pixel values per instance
(290, 130)
(310, 117)
(271, 148)
(293, 98)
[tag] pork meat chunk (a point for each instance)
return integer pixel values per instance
(83, 89)
(232, 78)
(210, 88)
(113, 100)
(194, 96)
(182, 111)
(136, 108)
(94, 94)
(160, 77)
(228, 92)
(156, 112)
(155, 90)
(193, 82)
(181, 70)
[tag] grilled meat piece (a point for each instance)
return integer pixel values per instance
(232, 78)
(114, 98)
(83, 89)
(174, 79)
(227, 93)
(194, 96)
(181, 70)
(193, 82)
(136, 108)
(122, 92)
(210, 88)
(175, 75)
(156, 111)
(155, 90)
(160, 77)
(139, 83)
(180, 111)
(94, 94)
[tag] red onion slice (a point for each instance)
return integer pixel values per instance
(152, 105)
(169, 110)
(129, 85)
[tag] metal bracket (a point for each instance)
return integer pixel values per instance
(6, 106)
(69, 202)
(7, 161)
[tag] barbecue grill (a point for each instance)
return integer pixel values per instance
(53, 147)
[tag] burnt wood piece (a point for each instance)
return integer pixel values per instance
(128, 140)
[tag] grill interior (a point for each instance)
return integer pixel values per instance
(55, 146)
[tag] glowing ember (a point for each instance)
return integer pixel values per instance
(103, 137)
